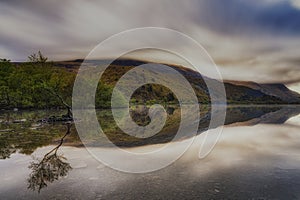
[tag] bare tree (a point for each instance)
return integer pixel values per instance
(50, 168)
(68, 107)
(37, 58)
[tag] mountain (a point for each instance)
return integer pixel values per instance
(237, 92)
(277, 90)
(36, 85)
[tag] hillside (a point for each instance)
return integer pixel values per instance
(236, 92)
(277, 89)
(27, 85)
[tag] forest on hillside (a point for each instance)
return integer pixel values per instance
(42, 84)
(39, 84)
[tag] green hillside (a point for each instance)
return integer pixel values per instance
(44, 85)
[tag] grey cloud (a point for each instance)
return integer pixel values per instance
(258, 40)
(243, 16)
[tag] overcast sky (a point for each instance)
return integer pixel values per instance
(257, 40)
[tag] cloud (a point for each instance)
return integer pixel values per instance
(295, 3)
(250, 17)
(250, 40)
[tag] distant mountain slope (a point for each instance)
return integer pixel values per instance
(277, 90)
(237, 92)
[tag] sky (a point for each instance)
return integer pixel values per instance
(255, 40)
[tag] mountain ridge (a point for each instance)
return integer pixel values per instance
(236, 91)
(275, 89)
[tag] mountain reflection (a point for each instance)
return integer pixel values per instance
(235, 116)
(28, 135)
(50, 168)
(20, 133)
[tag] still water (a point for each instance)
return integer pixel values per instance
(256, 157)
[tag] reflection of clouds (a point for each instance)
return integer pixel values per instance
(245, 158)
(241, 145)
(260, 140)
(294, 121)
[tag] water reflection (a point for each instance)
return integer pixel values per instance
(6, 150)
(245, 160)
(50, 168)
(25, 137)
(235, 115)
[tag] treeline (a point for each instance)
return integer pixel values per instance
(40, 84)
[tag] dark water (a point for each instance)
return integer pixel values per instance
(257, 157)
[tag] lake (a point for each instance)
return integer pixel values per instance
(256, 157)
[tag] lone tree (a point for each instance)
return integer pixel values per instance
(56, 82)
(37, 58)
(50, 168)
